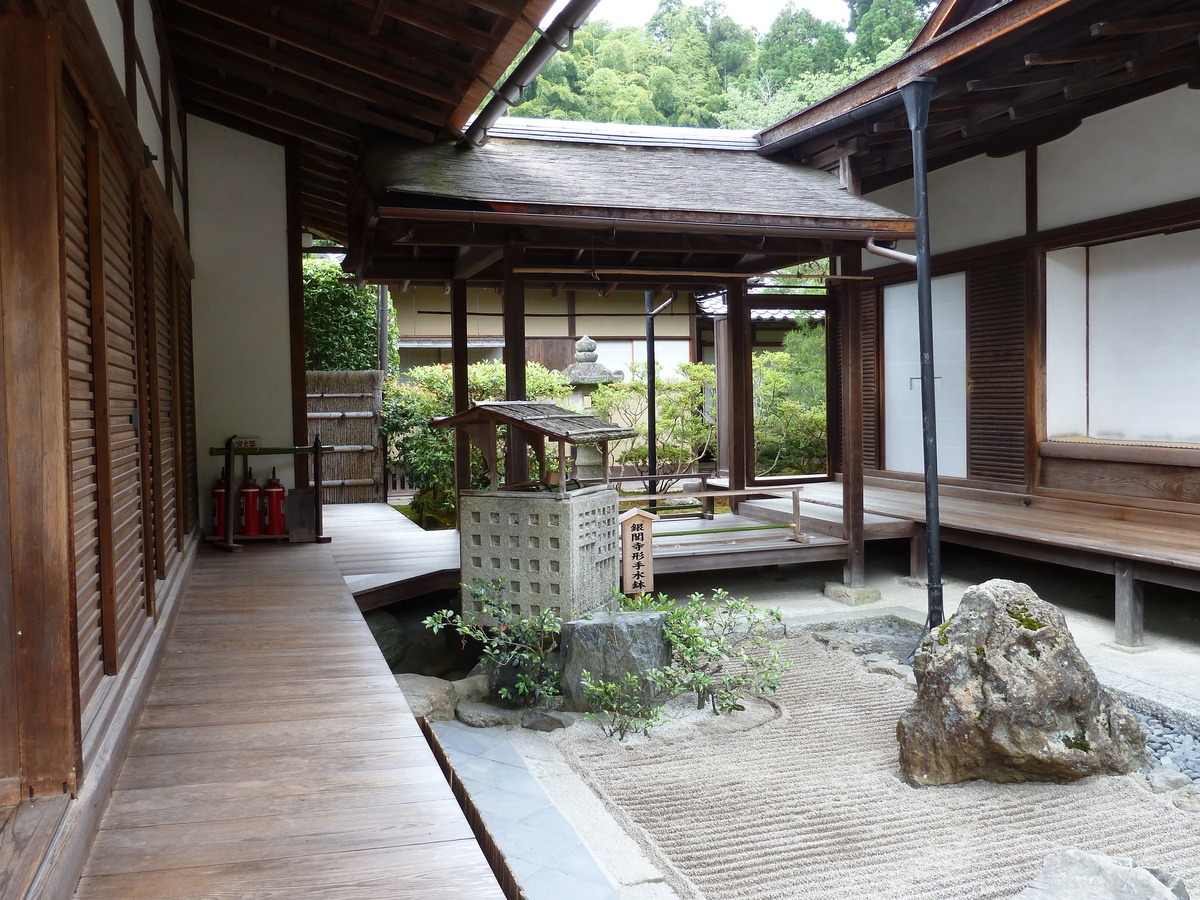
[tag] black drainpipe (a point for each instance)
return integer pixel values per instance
(555, 38)
(917, 94)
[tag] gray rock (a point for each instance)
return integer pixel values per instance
(1003, 694)
(430, 698)
(890, 667)
(472, 688)
(608, 645)
(1163, 780)
(1187, 798)
(1076, 875)
(483, 715)
(543, 720)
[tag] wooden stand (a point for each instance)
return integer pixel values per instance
(304, 504)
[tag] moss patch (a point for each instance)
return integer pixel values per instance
(1023, 617)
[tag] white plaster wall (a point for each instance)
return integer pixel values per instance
(240, 296)
(1066, 342)
(976, 201)
(903, 438)
(107, 16)
(1144, 370)
(669, 354)
(1137, 156)
(148, 121)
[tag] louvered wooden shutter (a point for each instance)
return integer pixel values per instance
(872, 417)
(187, 395)
(82, 400)
(124, 409)
(996, 372)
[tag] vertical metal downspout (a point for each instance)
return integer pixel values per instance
(917, 94)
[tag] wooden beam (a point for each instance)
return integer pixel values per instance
(37, 586)
(473, 260)
(205, 99)
(1120, 28)
(329, 77)
(458, 371)
(1079, 54)
(517, 460)
(444, 24)
(1129, 605)
(349, 57)
(740, 390)
(297, 366)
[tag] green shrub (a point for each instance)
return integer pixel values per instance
(341, 321)
(621, 707)
(721, 651)
(520, 645)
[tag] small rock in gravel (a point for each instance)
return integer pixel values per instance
(472, 688)
(1187, 798)
(1163, 780)
(890, 667)
(543, 720)
(481, 715)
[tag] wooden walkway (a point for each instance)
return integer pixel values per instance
(276, 758)
(385, 557)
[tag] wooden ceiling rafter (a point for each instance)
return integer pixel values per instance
(436, 22)
(310, 70)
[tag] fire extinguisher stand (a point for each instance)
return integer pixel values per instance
(225, 541)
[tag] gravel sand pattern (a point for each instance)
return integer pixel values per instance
(801, 797)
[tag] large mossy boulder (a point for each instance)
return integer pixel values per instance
(1003, 694)
(609, 645)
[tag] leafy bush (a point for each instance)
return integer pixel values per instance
(621, 707)
(515, 645)
(685, 420)
(427, 392)
(341, 321)
(722, 651)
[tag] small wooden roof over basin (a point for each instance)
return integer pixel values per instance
(537, 421)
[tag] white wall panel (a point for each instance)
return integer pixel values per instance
(107, 16)
(1134, 157)
(240, 295)
(1144, 368)
(904, 443)
(1066, 342)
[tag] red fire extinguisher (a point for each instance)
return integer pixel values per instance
(273, 497)
(218, 507)
(251, 512)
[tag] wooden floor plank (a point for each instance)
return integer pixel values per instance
(446, 873)
(276, 758)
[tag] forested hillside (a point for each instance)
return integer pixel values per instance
(694, 65)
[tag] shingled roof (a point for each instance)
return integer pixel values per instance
(548, 419)
(704, 184)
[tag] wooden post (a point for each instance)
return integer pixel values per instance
(1129, 605)
(458, 368)
(741, 390)
(40, 747)
(295, 266)
(721, 348)
(517, 457)
(637, 552)
(850, 299)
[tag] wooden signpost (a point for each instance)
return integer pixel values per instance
(637, 555)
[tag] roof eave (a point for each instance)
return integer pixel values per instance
(942, 50)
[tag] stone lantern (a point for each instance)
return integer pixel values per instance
(584, 374)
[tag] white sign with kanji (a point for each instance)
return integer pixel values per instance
(637, 555)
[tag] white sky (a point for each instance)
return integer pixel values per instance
(753, 13)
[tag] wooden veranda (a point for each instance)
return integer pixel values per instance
(277, 757)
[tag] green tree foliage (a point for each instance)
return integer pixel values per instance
(790, 436)
(427, 454)
(341, 321)
(692, 64)
(686, 427)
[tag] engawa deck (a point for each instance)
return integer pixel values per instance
(276, 758)
(1085, 536)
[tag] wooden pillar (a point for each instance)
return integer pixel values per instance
(458, 349)
(741, 389)
(850, 321)
(724, 397)
(1129, 605)
(295, 264)
(517, 458)
(38, 700)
